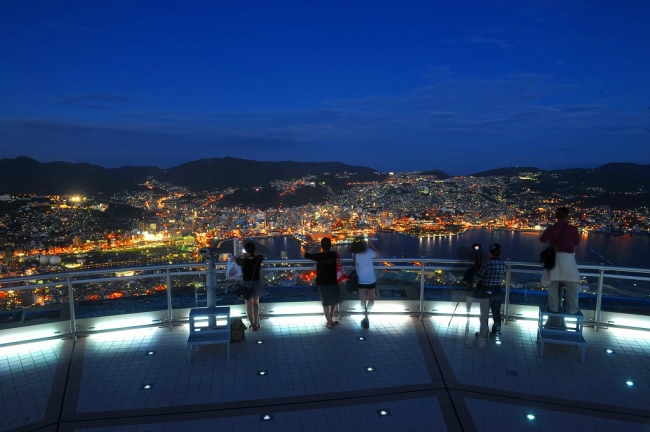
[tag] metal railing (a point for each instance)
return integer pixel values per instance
(65, 304)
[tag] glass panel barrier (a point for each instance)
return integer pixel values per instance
(627, 292)
(120, 296)
(290, 284)
(188, 290)
(34, 308)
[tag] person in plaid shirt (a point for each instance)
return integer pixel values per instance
(490, 277)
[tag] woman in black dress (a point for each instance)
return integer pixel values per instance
(251, 265)
(328, 287)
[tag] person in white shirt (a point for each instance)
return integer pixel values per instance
(364, 252)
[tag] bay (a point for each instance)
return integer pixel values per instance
(599, 249)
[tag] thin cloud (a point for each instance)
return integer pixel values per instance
(481, 40)
(96, 101)
(65, 27)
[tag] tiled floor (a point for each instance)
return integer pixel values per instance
(425, 376)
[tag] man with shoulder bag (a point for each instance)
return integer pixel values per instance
(490, 296)
(564, 237)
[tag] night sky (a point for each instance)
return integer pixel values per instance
(461, 86)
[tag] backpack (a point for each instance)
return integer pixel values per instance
(237, 328)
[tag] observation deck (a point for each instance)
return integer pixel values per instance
(100, 363)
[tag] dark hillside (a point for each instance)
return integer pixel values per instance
(439, 174)
(506, 172)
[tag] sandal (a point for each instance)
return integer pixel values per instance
(334, 323)
(329, 326)
(257, 327)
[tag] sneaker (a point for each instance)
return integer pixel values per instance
(365, 323)
(495, 335)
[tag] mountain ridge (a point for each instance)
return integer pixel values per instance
(24, 175)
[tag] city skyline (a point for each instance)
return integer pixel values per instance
(463, 87)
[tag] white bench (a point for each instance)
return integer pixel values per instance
(209, 326)
(559, 328)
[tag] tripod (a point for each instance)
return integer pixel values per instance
(469, 277)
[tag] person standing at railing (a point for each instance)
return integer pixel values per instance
(490, 281)
(328, 287)
(251, 265)
(364, 252)
(565, 238)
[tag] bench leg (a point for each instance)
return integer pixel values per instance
(541, 347)
(190, 349)
(582, 357)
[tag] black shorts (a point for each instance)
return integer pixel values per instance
(329, 294)
(368, 286)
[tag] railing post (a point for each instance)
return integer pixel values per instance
(169, 300)
(599, 297)
(73, 322)
(506, 301)
(422, 290)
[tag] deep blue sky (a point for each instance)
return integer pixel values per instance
(462, 86)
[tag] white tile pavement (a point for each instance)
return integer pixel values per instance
(424, 374)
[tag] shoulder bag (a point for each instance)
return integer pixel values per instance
(244, 287)
(547, 256)
(341, 276)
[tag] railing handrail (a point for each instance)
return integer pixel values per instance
(64, 276)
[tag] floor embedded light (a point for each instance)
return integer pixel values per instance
(151, 352)
(267, 417)
(609, 351)
(530, 416)
(629, 383)
(259, 342)
(383, 412)
(262, 373)
(370, 369)
(498, 342)
(146, 387)
(361, 338)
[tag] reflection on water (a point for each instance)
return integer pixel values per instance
(599, 249)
